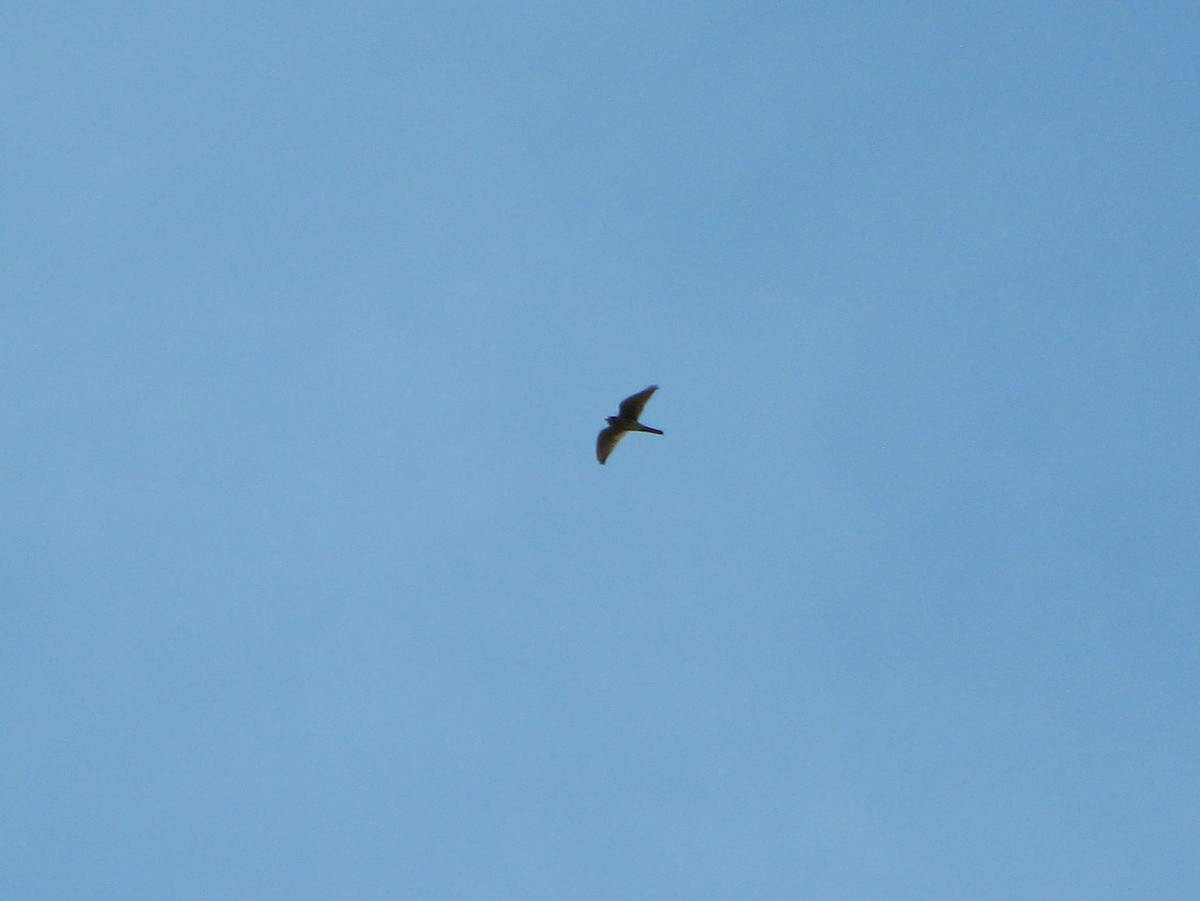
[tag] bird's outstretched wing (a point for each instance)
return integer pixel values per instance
(632, 406)
(606, 441)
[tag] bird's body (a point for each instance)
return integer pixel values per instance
(624, 422)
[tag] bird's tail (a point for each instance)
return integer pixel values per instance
(646, 428)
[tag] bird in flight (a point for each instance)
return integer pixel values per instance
(626, 420)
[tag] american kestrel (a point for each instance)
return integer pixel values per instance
(625, 421)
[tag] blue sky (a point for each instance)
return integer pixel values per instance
(312, 587)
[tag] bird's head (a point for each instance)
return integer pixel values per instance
(612, 420)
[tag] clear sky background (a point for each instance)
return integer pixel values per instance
(311, 585)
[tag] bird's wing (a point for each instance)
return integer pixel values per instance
(632, 406)
(606, 441)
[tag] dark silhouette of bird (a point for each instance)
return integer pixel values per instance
(625, 421)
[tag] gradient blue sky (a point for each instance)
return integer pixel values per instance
(312, 587)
